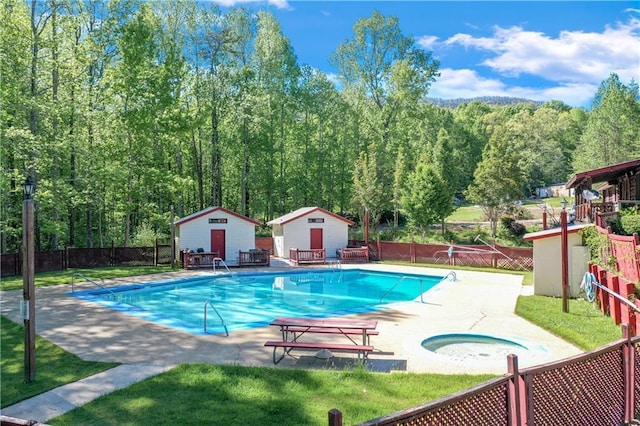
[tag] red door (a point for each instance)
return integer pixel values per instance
(316, 238)
(218, 242)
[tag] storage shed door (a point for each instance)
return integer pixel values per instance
(316, 238)
(218, 242)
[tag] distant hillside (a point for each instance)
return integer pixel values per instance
(491, 100)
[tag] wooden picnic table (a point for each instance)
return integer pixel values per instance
(293, 331)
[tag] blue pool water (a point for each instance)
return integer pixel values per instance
(250, 300)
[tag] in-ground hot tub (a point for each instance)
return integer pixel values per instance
(479, 347)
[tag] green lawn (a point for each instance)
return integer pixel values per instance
(235, 395)
(44, 279)
(469, 213)
(54, 366)
(584, 325)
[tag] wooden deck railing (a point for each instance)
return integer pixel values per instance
(354, 254)
(298, 256)
(199, 260)
(254, 258)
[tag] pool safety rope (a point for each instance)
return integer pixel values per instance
(588, 285)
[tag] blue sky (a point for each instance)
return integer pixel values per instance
(544, 50)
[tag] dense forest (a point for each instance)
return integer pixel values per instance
(123, 110)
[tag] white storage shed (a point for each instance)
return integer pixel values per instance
(547, 260)
(217, 230)
(309, 228)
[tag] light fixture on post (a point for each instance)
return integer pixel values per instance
(564, 203)
(28, 306)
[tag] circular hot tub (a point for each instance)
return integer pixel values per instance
(478, 347)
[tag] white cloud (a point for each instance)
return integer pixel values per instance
(427, 42)
(467, 83)
(280, 4)
(573, 57)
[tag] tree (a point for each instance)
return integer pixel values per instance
(367, 187)
(426, 199)
(612, 134)
(384, 74)
(444, 165)
(498, 179)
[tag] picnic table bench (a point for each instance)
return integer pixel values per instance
(293, 329)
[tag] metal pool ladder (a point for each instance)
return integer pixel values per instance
(77, 274)
(209, 303)
(450, 274)
(398, 283)
(219, 259)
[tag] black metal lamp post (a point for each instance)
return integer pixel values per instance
(28, 307)
(564, 242)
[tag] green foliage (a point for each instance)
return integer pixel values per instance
(121, 123)
(518, 212)
(146, 236)
(598, 247)
(426, 199)
(630, 221)
(512, 226)
(611, 132)
(498, 179)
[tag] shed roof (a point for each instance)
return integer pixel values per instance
(552, 232)
(210, 210)
(304, 211)
(604, 174)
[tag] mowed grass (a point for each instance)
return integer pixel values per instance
(470, 213)
(235, 395)
(44, 279)
(54, 366)
(584, 325)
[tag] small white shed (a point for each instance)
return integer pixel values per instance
(309, 228)
(216, 229)
(547, 260)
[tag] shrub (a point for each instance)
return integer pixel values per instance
(146, 236)
(511, 226)
(598, 246)
(518, 212)
(630, 222)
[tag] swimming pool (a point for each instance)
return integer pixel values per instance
(250, 300)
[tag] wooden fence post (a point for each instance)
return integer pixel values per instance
(518, 413)
(629, 362)
(335, 417)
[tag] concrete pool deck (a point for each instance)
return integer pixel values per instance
(476, 302)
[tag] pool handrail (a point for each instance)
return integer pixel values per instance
(77, 274)
(398, 283)
(449, 274)
(210, 303)
(220, 260)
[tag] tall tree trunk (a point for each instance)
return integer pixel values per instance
(216, 160)
(55, 80)
(244, 191)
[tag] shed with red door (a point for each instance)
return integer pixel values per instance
(219, 231)
(309, 228)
